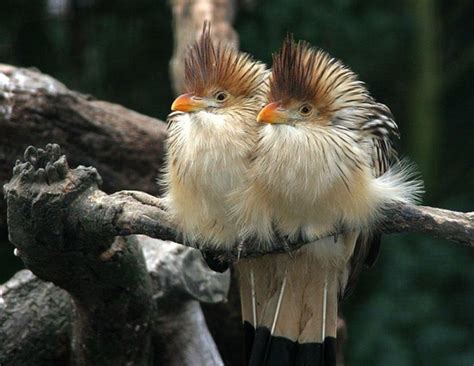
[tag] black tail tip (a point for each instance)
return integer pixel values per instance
(263, 349)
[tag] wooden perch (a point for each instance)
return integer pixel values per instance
(138, 214)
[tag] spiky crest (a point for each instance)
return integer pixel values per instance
(304, 73)
(209, 66)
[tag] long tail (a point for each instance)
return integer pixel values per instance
(289, 310)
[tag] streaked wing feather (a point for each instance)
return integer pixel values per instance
(380, 129)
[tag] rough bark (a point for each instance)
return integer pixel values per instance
(32, 311)
(41, 324)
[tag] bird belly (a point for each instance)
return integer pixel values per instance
(202, 170)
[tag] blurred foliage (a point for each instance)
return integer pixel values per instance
(115, 50)
(417, 56)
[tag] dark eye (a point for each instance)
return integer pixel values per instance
(221, 96)
(305, 110)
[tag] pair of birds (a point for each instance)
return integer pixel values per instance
(302, 151)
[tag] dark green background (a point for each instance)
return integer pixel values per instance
(417, 56)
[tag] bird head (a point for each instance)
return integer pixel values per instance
(309, 87)
(219, 78)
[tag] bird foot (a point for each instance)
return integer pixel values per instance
(143, 198)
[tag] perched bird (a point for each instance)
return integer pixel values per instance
(211, 134)
(323, 164)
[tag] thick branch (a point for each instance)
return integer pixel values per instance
(135, 217)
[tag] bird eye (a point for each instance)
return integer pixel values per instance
(305, 110)
(221, 96)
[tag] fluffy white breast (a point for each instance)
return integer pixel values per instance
(313, 178)
(297, 163)
(305, 181)
(207, 159)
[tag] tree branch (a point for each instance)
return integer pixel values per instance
(136, 217)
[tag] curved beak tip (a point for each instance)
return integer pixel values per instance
(270, 114)
(185, 103)
(181, 103)
(261, 117)
(174, 106)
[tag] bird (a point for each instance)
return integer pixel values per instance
(323, 169)
(211, 133)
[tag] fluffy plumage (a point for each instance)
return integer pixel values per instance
(320, 166)
(313, 173)
(211, 135)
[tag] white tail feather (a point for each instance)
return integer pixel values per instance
(325, 298)
(254, 297)
(400, 183)
(280, 298)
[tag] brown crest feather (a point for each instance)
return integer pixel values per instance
(209, 66)
(304, 73)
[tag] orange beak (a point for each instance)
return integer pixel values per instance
(273, 113)
(188, 103)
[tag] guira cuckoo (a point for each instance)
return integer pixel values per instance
(212, 133)
(323, 164)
